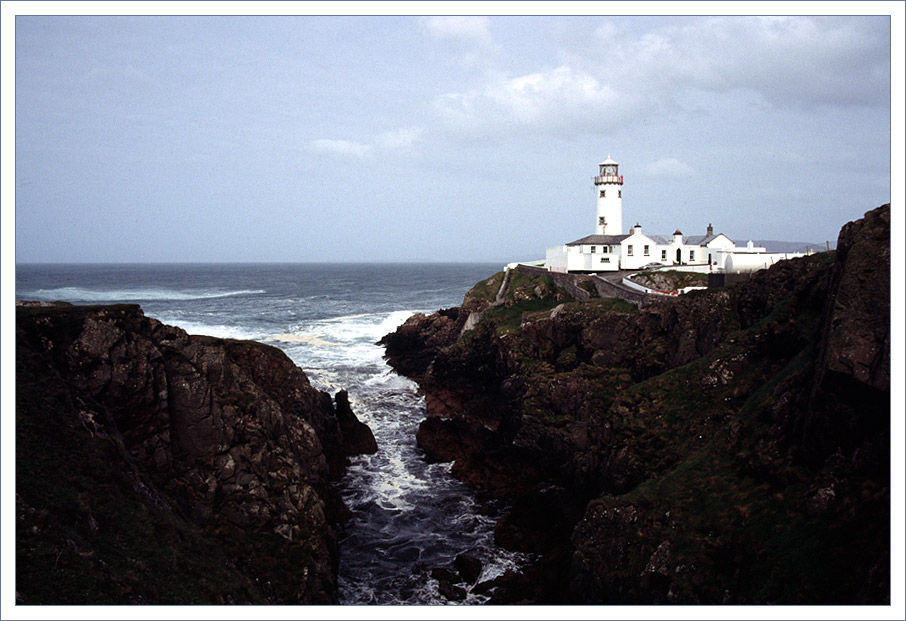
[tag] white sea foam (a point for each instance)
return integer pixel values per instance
(80, 294)
(347, 341)
(390, 381)
(304, 338)
(215, 330)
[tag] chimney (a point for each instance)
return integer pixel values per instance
(710, 230)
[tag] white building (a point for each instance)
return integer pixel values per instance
(609, 249)
(609, 188)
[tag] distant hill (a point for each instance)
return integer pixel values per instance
(772, 245)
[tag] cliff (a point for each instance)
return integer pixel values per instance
(727, 446)
(157, 467)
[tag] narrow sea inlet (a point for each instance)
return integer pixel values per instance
(409, 517)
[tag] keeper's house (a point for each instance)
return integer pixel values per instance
(609, 249)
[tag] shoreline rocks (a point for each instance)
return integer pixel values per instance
(221, 449)
(715, 448)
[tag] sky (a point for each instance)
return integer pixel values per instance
(437, 138)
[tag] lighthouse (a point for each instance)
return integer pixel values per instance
(609, 191)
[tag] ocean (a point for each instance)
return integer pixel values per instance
(409, 516)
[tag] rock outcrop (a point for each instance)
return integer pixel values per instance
(727, 446)
(157, 467)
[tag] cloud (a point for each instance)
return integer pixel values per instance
(386, 142)
(787, 60)
(668, 167)
(399, 139)
(345, 148)
(623, 75)
(558, 98)
(458, 27)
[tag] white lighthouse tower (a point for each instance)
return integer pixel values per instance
(609, 190)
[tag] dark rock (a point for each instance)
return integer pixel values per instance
(442, 574)
(487, 586)
(468, 567)
(412, 347)
(450, 439)
(357, 436)
(451, 592)
(538, 520)
(858, 326)
(182, 469)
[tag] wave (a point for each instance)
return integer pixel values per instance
(80, 294)
(349, 330)
(304, 338)
(217, 331)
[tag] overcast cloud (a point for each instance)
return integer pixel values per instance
(437, 138)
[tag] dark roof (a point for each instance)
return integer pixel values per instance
(689, 240)
(703, 240)
(598, 239)
(663, 240)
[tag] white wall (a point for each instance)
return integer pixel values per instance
(717, 249)
(610, 207)
(738, 262)
(638, 241)
(581, 259)
(556, 259)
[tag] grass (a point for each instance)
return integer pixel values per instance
(486, 290)
(509, 318)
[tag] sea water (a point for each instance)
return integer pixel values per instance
(409, 516)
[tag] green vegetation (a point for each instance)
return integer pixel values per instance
(486, 290)
(508, 318)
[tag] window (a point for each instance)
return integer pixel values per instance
(663, 255)
(605, 259)
(593, 249)
(602, 221)
(646, 250)
(605, 249)
(692, 255)
(603, 193)
(629, 250)
(619, 193)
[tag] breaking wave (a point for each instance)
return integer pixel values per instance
(79, 294)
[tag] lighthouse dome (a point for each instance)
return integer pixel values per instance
(607, 161)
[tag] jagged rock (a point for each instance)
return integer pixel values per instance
(451, 592)
(450, 439)
(442, 574)
(656, 454)
(468, 566)
(858, 336)
(357, 436)
(222, 448)
(413, 345)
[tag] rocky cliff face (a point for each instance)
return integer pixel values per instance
(728, 446)
(157, 467)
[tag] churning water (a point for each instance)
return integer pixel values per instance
(409, 516)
